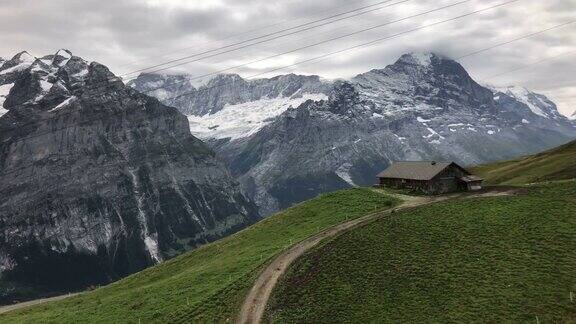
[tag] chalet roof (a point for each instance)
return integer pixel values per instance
(414, 170)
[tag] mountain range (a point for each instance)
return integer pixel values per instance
(290, 137)
(101, 178)
(98, 180)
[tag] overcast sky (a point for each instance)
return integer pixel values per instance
(127, 35)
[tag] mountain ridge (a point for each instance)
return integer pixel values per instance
(98, 180)
(556, 164)
(424, 106)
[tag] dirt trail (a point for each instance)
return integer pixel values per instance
(8, 308)
(255, 303)
(256, 300)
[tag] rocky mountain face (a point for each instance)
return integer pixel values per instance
(210, 95)
(98, 181)
(285, 149)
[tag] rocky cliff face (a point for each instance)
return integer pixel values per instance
(424, 106)
(209, 96)
(99, 181)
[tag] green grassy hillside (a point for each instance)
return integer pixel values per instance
(208, 284)
(492, 260)
(556, 164)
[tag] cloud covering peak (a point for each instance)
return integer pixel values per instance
(128, 35)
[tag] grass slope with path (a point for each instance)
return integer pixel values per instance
(556, 164)
(499, 259)
(257, 298)
(210, 283)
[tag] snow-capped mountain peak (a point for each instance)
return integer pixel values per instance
(51, 79)
(538, 104)
(64, 53)
(19, 62)
(423, 106)
(22, 57)
(61, 57)
(422, 82)
(422, 59)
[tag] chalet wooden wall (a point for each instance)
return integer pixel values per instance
(445, 182)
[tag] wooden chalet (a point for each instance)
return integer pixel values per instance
(429, 177)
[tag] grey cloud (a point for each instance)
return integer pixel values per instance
(131, 34)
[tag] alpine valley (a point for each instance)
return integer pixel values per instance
(290, 137)
(98, 181)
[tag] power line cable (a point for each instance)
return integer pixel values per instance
(519, 38)
(523, 67)
(262, 39)
(247, 32)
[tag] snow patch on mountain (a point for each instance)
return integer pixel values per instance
(420, 59)
(4, 91)
(243, 120)
(344, 173)
(424, 59)
(64, 103)
(64, 55)
(433, 136)
(523, 95)
(539, 104)
(81, 74)
(22, 61)
(424, 106)
(45, 87)
(2, 110)
(46, 74)
(199, 82)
